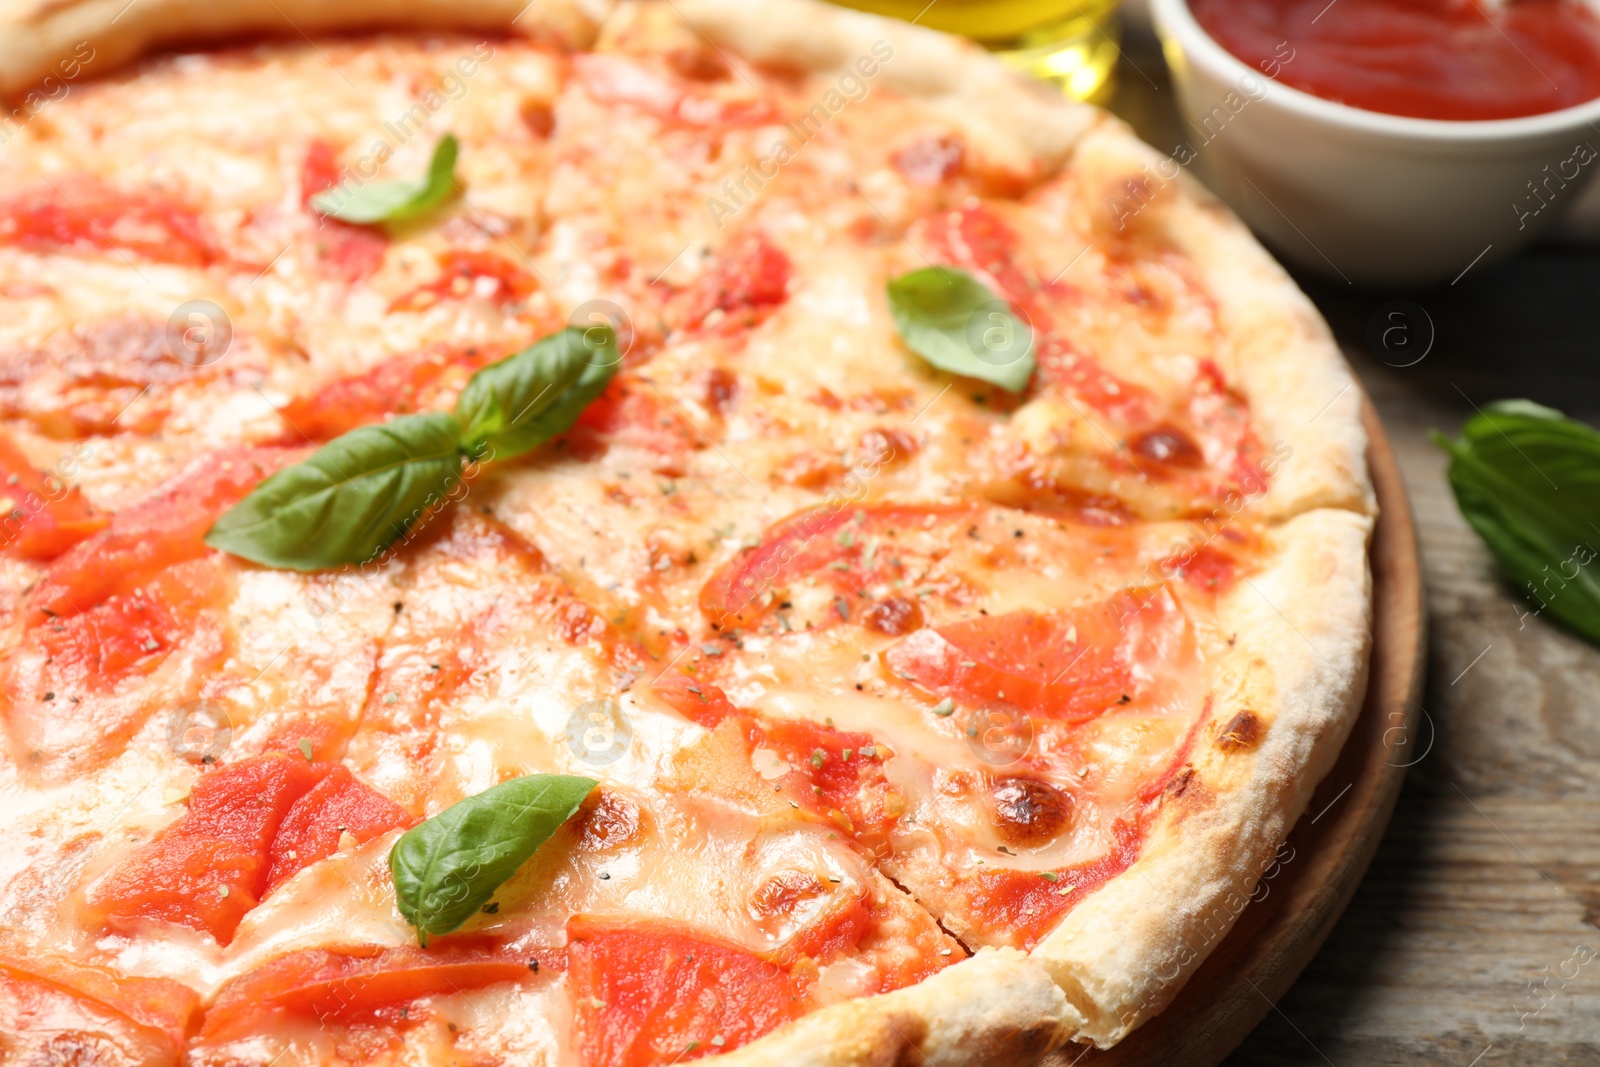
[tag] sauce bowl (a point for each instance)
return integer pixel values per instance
(1360, 196)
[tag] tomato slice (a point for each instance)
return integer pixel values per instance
(45, 1022)
(165, 528)
(632, 413)
(699, 702)
(1064, 666)
(159, 1003)
(44, 679)
(337, 805)
(838, 774)
(749, 280)
(355, 984)
(980, 242)
(87, 215)
(208, 869)
(40, 516)
(350, 253)
(129, 632)
(464, 273)
(830, 541)
(397, 386)
(647, 993)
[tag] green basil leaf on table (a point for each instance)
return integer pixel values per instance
(355, 496)
(449, 866)
(953, 321)
(1528, 480)
(395, 200)
(526, 399)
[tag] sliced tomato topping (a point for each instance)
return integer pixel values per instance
(208, 869)
(1206, 567)
(420, 381)
(1025, 905)
(356, 984)
(649, 993)
(46, 677)
(980, 242)
(632, 413)
(748, 281)
(337, 805)
(836, 773)
(1064, 666)
(158, 1003)
(465, 274)
(165, 528)
(347, 252)
(40, 515)
(699, 702)
(89, 216)
(836, 931)
(128, 632)
(1080, 375)
(830, 541)
(46, 1022)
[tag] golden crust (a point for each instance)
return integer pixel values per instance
(37, 35)
(997, 1007)
(1277, 348)
(1286, 697)
(1303, 627)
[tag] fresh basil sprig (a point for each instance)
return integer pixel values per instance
(364, 490)
(449, 866)
(1528, 480)
(354, 496)
(395, 200)
(515, 404)
(953, 321)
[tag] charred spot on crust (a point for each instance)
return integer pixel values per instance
(1180, 784)
(1169, 446)
(1028, 811)
(1244, 731)
(907, 1033)
(895, 616)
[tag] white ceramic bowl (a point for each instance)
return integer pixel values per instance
(1362, 196)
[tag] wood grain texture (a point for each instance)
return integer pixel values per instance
(1465, 943)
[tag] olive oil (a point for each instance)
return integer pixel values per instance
(1073, 43)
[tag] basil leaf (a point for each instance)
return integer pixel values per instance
(953, 321)
(448, 867)
(354, 497)
(1528, 480)
(394, 201)
(526, 399)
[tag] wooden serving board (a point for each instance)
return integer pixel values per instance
(1278, 933)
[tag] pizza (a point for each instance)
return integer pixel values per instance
(610, 535)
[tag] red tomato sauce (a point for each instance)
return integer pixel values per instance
(1432, 59)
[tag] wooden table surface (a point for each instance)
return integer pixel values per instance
(1474, 940)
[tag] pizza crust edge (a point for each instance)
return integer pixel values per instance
(1287, 695)
(1304, 623)
(36, 36)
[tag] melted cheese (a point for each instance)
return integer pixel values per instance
(471, 657)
